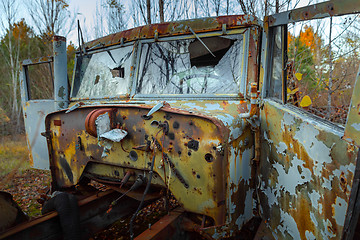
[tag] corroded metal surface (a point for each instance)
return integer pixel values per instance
(165, 228)
(191, 154)
(316, 11)
(61, 85)
(37, 61)
(93, 218)
(306, 174)
(352, 129)
(34, 111)
(175, 28)
(227, 158)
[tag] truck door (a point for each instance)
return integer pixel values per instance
(44, 89)
(37, 101)
(308, 170)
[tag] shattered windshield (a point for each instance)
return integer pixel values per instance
(188, 67)
(104, 73)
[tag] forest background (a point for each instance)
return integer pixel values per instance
(323, 57)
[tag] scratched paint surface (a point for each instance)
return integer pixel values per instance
(207, 153)
(204, 158)
(34, 114)
(352, 128)
(306, 174)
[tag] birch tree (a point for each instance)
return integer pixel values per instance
(11, 53)
(115, 16)
(51, 17)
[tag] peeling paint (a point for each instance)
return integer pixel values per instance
(206, 151)
(304, 185)
(316, 149)
(340, 207)
(356, 126)
(290, 179)
(213, 106)
(288, 226)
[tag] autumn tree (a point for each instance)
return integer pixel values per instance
(324, 55)
(28, 45)
(303, 57)
(51, 17)
(109, 17)
(10, 51)
(70, 50)
(303, 49)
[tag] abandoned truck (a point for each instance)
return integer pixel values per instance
(198, 109)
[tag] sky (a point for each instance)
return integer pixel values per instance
(86, 14)
(85, 10)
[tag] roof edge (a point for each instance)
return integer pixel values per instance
(175, 28)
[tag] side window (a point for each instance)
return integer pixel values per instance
(276, 77)
(40, 81)
(323, 60)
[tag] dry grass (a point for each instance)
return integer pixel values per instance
(14, 156)
(18, 178)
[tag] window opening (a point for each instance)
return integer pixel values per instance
(276, 78)
(40, 81)
(322, 66)
(118, 72)
(200, 56)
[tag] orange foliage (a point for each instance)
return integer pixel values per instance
(63, 2)
(21, 30)
(310, 38)
(71, 48)
(290, 39)
(307, 37)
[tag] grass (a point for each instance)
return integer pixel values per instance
(18, 178)
(14, 156)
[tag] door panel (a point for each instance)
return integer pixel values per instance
(35, 111)
(352, 128)
(306, 173)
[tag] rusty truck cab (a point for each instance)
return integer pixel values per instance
(198, 109)
(166, 98)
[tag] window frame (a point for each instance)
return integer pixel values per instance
(270, 62)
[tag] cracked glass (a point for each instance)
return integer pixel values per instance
(104, 73)
(188, 67)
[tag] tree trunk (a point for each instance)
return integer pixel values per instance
(196, 8)
(243, 7)
(148, 10)
(266, 7)
(161, 10)
(227, 7)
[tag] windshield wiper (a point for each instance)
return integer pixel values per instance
(201, 42)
